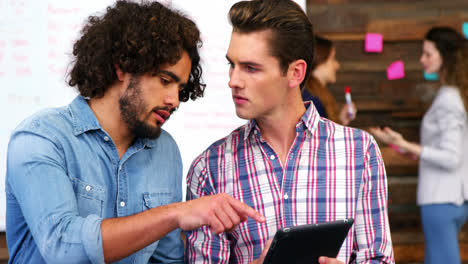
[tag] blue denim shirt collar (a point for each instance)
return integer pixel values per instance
(84, 120)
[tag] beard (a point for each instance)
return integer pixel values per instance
(133, 106)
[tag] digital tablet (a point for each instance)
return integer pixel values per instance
(306, 243)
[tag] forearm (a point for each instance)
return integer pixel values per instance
(124, 236)
(410, 147)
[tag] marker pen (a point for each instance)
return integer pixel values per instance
(348, 101)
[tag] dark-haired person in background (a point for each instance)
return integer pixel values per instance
(443, 167)
(99, 180)
(324, 68)
(286, 162)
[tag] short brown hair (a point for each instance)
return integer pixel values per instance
(292, 33)
(139, 39)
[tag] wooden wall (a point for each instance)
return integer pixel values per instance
(398, 103)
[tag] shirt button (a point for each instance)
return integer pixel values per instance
(106, 138)
(122, 204)
(272, 157)
(286, 196)
(255, 132)
(88, 188)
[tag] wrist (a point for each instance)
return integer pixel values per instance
(397, 148)
(403, 144)
(174, 214)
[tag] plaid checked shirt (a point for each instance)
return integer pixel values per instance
(332, 172)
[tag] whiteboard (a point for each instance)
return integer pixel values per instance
(36, 39)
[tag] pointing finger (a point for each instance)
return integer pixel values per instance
(245, 210)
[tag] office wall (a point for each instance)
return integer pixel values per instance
(399, 104)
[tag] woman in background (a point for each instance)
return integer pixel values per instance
(324, 70)
(443, 157)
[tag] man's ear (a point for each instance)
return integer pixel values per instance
(296, 73)
(120, 74)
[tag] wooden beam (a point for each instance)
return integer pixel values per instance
(412, 28)
(354, 51)
(377, 66)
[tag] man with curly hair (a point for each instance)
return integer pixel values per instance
(98, 180)
(286, 162)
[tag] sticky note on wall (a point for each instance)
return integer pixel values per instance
(465, 29)
(431, 76)
(373, 42)
(396, 70)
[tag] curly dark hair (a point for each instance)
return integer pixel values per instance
(139, 39)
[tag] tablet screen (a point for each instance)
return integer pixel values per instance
(306, 243)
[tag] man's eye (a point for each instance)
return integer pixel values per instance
(251, 69)
(165, 81)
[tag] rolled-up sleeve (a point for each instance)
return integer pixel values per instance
(36, 174)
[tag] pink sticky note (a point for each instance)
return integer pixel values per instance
(396, 70)
(373, 42)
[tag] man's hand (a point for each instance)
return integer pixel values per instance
(326, 260)
(220, 212)
(264, 253)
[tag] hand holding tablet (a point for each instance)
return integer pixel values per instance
(306, 243)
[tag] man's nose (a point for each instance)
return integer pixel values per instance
(235, 79)
(172, 97)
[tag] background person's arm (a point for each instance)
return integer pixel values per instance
(448, 123)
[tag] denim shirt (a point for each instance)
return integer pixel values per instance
(64, 175)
